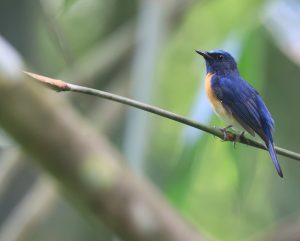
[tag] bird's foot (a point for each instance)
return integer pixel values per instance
(225, 132)
(238, 138)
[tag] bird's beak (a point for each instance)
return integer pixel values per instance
(204, 54)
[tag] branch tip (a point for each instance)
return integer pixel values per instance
(55, 84)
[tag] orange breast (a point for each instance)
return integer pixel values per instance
(209, 92)
(216, 104)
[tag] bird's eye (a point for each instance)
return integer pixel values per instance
(220, 57)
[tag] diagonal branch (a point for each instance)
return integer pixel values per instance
(88, 168)
(59, 85)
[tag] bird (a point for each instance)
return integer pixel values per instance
(236, 101)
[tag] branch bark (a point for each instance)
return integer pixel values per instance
(86, 165)
(59, 85)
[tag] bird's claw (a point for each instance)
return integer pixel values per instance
(238, 138)
(225, 134)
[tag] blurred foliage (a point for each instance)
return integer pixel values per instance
(222, 189)
(228, 193)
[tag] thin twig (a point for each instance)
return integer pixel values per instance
(60, 85)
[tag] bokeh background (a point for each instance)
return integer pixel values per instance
(145, 50)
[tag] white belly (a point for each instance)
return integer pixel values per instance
(227, 117)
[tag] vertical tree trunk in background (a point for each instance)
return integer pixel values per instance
(150, 30)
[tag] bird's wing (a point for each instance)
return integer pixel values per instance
(248, 108)
(241, 100)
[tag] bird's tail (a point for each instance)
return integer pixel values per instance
(266, 132)
(274, 157)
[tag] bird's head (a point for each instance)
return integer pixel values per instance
(218, 61)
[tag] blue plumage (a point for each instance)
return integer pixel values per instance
(239, 100)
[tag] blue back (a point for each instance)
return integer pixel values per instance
(244, 102)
